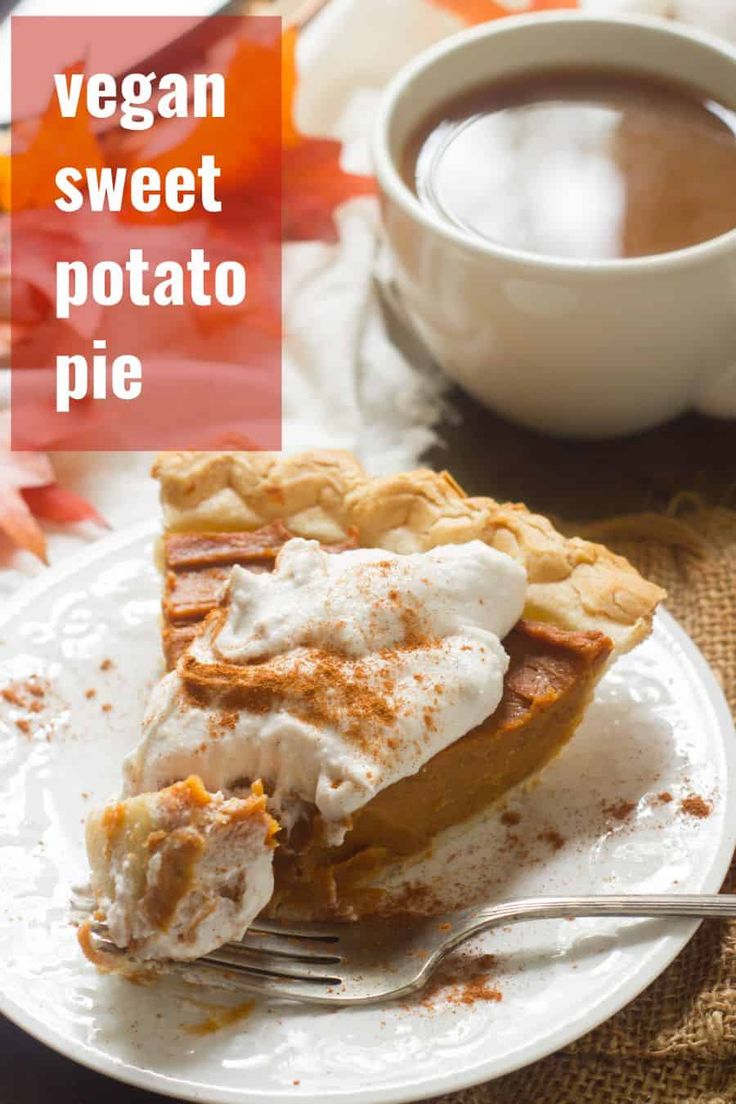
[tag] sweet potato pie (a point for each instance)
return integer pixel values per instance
(381, 658)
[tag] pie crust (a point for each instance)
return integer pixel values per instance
(323, 494)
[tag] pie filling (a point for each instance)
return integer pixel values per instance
(549, 683)
(333, 677)
(380, 697)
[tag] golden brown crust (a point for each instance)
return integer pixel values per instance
(323, 494)
(245, 490)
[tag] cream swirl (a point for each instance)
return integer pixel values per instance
(336, 675)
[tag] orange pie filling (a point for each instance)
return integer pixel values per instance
(549, 682)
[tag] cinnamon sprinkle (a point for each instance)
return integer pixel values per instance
(219, 1017)
(29, 696)
(462, 981)
(553, 838)
(619, 810)
(359, 697)
(472, 991)
(695, 806)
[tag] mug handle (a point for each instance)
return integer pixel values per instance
(718, 397)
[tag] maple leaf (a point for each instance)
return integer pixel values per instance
(40, 240)
(28, 175)
(54, 503)
(279, 183)
(480, 11)
(19, 470)
(313, 183)
(28, 490)
(239, 148)
(290, 135)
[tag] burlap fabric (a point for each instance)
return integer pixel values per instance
(677, 1042)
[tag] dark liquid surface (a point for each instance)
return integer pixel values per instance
(583, 163)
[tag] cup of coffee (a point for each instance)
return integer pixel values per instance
(559, 197)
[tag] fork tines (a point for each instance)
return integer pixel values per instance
(294, 961)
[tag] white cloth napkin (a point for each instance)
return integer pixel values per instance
(346, 384)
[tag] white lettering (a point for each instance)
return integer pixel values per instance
(74, 198)
(71, 286)
(146, 187)
(68, 89)
(75, 382)
(174, 96)
(107, 283)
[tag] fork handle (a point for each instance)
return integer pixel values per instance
(702, 906)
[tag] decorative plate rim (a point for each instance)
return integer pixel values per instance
(669, 946)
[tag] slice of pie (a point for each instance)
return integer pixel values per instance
(389, 656)
(583, 604)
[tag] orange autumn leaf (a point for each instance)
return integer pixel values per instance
(313, 182)
(240, 142)
(19, 524)
(5, 181)
(473, 11)
(19, 470)
(27, 178)
(28, 490)
(54, 503)
(268, 170)
(289, 134)
(480, 11)
(314, 185)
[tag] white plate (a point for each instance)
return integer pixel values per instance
(659, 724)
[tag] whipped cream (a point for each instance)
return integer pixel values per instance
(180, 872)
(349, 672)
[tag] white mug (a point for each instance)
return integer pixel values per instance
(571, 347)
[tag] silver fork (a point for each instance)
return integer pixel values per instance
(379, 960)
